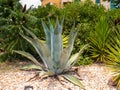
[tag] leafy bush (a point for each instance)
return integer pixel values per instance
(12, 17)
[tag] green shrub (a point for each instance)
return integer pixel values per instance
(12, 17)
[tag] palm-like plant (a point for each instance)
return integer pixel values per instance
(98, 40)
(114, 56)
(55, 58)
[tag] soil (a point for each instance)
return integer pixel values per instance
(94, 77)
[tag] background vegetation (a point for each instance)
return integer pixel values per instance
(84, 15)
(97, 27)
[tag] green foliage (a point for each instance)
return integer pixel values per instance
(113, 14)
(56, 59)
(98, 40)
(85, 15)
(114, 55)
(116, 3)
(12, 17)
(84, 60)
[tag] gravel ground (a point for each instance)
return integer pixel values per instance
(94, 77)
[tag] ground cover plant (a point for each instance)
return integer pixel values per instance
(56, 59)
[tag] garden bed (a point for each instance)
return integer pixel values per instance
(94, 77)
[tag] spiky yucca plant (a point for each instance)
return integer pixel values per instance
(55, 58)
(98, 40)
(114, 56)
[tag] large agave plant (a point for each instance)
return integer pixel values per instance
(56, 59)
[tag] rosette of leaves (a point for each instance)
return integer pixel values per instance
(56, 59)
(99, 38)
(114, 57)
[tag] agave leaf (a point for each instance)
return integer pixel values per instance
(50, 25)
(74, 58)
(64, 57)
(59, 27)
(42, 50)
(71, 39)
(74, 80)
(57, 46)
(51, 40)
(44, 74)
(29, 56)
(46, 54)
(28, 67)
(49, 36)
(67, 51)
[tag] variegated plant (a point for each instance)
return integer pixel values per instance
(56, 59)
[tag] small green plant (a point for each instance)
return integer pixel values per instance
(55, 58)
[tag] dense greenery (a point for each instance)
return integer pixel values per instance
(96, 26)
(12, 16)
(84, 15)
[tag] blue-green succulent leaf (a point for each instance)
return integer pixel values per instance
(44, 74)
(51, 26)
(42, 51)
(71, 39)
(67, 51)
(33, 67)
(74, 80)
(64, 57)
(28, 55)
(74, 58)
(49, 36)
(57, 43)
